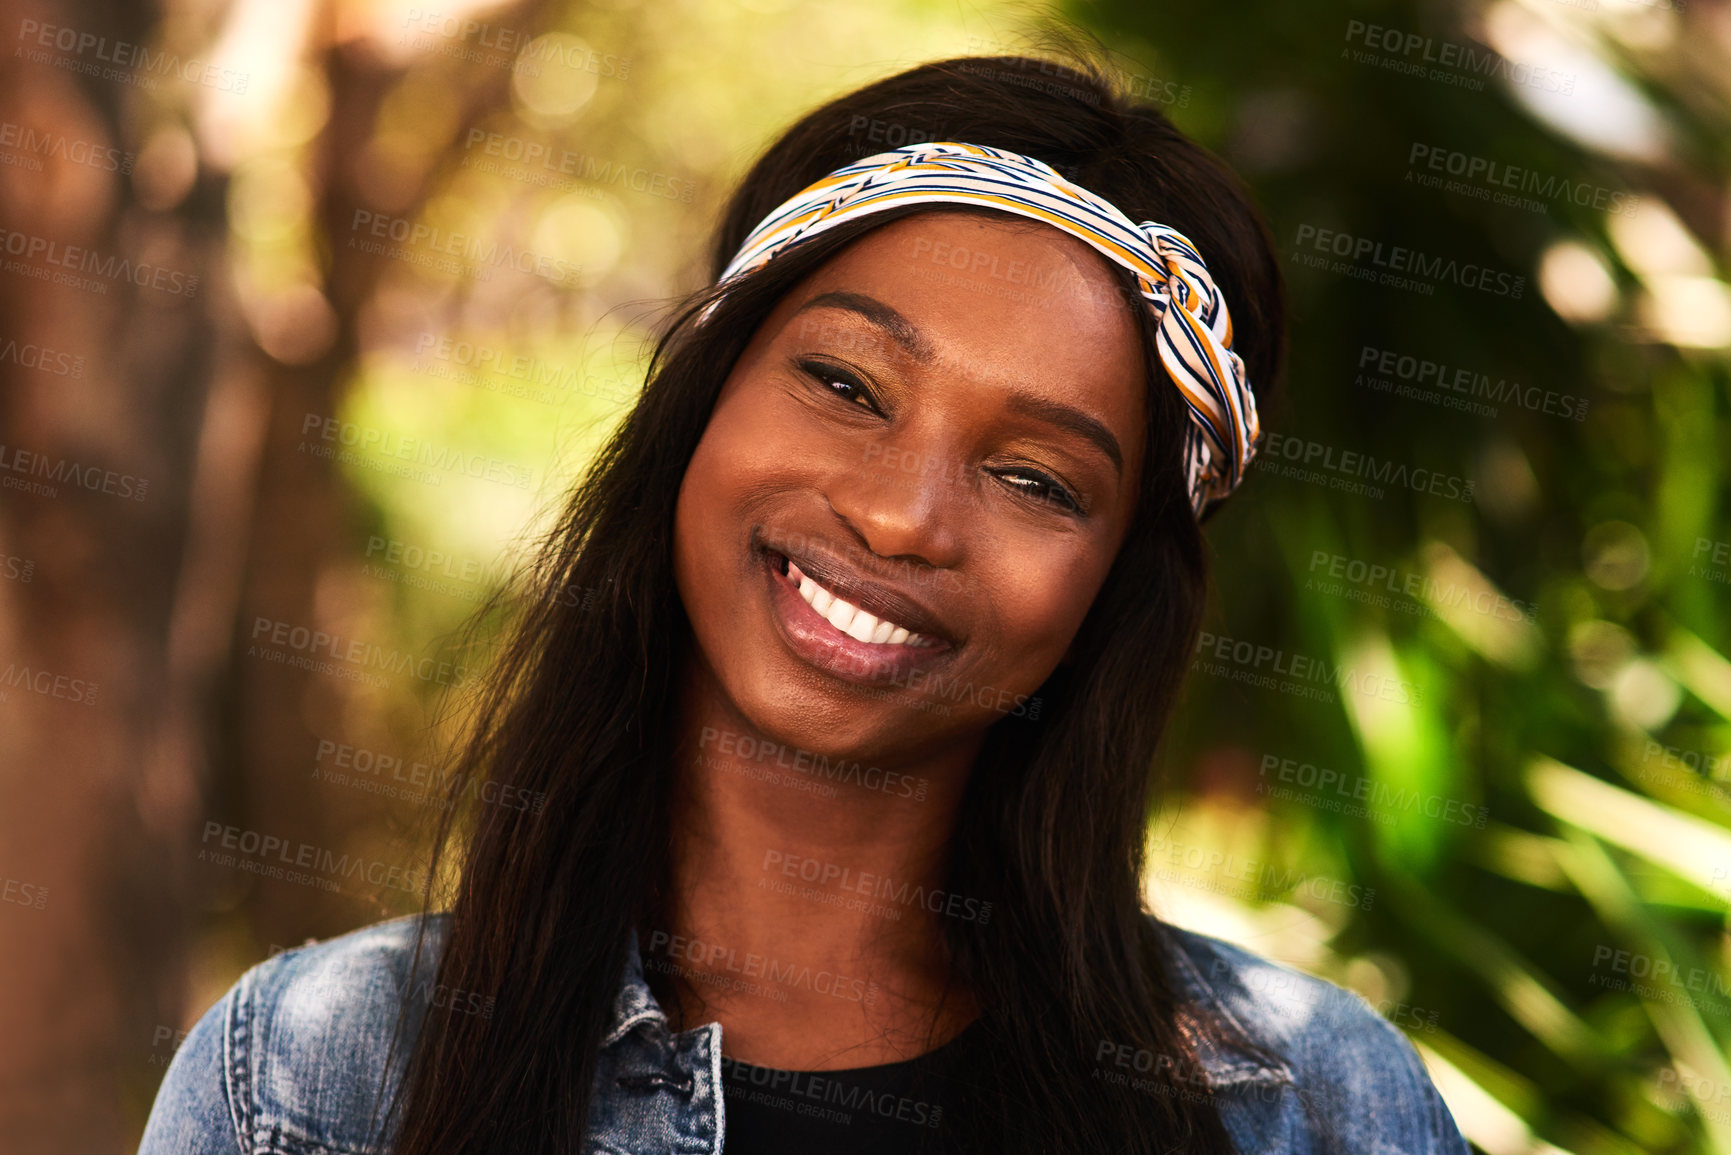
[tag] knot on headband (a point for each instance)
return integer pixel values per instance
(1194, 328)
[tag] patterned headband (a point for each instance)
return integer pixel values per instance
(1194, 339)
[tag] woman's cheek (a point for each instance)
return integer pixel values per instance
(1049, 608)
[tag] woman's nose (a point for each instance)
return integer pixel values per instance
(906, 499)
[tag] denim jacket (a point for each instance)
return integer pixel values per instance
(288, 1062)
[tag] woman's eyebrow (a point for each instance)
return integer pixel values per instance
(900, 329)
(1069, 419)
(908, 336)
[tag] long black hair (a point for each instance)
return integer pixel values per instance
(581, 702)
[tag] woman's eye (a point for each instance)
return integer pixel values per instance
(1037, 487)
(840, 383)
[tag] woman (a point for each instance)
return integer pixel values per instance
(842, 685)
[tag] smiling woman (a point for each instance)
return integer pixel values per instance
(847, 765)
(1030, 415)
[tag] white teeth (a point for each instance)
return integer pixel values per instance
(849, 618)
(862, 627)
(841, 613)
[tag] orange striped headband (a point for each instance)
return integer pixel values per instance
(1194, 338)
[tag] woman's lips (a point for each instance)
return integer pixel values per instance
(811, 635)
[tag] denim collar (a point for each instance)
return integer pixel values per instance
(1226, 1062)
(634, 1004)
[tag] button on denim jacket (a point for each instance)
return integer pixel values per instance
(289, 1061)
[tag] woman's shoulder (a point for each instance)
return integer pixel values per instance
(295, 1055)
(359, 972)
(1316, 1048)
(1278, 1006)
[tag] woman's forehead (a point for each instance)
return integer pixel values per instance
(999, 295)
(1008, 257)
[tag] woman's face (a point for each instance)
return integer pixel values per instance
(941, 428)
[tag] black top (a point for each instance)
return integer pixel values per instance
(919, 1104)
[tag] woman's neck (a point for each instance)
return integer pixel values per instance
(808, 894)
